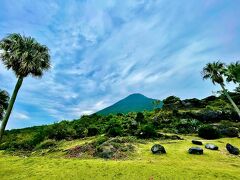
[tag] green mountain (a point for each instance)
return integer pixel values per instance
(132, 103)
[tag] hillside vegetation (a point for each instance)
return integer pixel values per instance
(176, 116)
(79, 149)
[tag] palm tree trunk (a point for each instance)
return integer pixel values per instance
(230, 99)
(10, 106)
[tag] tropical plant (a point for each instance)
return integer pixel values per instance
(215, 71)
(25, 56)
(232, 72)
(4, 98)
(237, 89)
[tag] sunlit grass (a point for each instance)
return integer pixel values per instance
(176, 164)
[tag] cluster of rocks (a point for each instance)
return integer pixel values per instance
(198, 150)
(159, 149)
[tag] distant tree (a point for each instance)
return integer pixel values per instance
(171, 102)
(25, 56)
(156, 104)
(4, 98)
(215, 71)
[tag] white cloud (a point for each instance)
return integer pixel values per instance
(20, 116)
(102, 52)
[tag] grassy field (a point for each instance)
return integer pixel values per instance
(176, 164)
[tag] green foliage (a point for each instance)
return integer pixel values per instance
(230, 132)
(186, 126)
(214, 71)
(219, 104)
(92, 131)
(62, 130)
(4, 98)
(147, 131)
(139, 117)
(49, 143)
(25, 139)
(232, 72)
(115, 128)
(208, 132)
(172, 102)
(18, 50)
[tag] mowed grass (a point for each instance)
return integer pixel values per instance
(176, 164)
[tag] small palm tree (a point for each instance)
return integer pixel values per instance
(232, 72)
(215, 71)
(4, 98)
(25, 56)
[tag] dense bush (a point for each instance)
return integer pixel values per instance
(140, 117)
(147, 131)
(59, 131)
(92, 131)
(230, 132)
(185, 126)
(208, 132)
(115, 128)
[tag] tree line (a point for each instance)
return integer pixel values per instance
(25, 56)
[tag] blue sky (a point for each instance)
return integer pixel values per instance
(103, 51)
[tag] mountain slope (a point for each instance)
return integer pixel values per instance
(132, 103)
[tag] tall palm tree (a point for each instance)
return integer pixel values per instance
(232, 72)
(25, 56)
(4, 98)
(215, 71)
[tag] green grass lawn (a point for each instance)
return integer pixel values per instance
(176, 164)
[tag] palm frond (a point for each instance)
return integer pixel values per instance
(24, 55)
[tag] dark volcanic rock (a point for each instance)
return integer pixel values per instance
(158, 149)
(232, 149)
(197, 142)
(195, 150)
(211, 146)
(176, 137)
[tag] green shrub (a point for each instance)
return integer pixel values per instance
(147, 131)
(61, 131)
(49, 143)
(208, 132)
(115, 131)
(230, 132)
(139, 117)
(92, 131)
(186, 126)
(115, 128)
(100, 140)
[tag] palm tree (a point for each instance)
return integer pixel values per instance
(232, 72)
(4, 98)
(237, 89)
(25, 56)
(215, 71)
